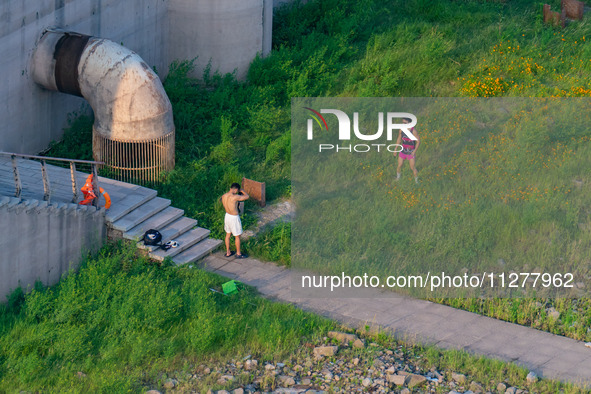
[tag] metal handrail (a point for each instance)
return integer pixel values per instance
(46, 187)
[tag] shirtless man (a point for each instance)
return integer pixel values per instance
(232, 223)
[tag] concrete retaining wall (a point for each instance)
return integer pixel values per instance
(41, 241)
(32, 117)
(228, 32)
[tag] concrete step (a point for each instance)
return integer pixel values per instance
(129, 203)
(185, 240)
(157, 222)
(171, 231)
(141, 213)
(197, 251)
(11, 202)
(6, 200)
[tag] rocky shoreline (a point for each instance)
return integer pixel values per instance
(339, 363)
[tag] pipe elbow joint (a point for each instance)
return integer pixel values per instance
(127, 97)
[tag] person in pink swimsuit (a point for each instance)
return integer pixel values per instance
(409, 151)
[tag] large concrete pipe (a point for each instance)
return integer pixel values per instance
(133, 131)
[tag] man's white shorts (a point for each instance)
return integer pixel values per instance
(232, 224)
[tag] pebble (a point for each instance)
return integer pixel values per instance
(476, 387)
(358, 344)
(170, 384)
(377, 363)
(326, 351)
(415, 380)
(531, 377)
(458, 377)
(553, 313)
(438, 376)
(371, 369)
(251, 364)
(398, 380)
(286, 380)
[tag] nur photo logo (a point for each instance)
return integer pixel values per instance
(387, 130)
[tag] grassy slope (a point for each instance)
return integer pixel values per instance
(228, 129)
(128, 324)
(123, 320)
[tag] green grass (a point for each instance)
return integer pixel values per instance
(127, 324)
(227, 129)
(505, 190)
(273, 244)
(122, 320)
(77, 139)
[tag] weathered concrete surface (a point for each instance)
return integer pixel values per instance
(418, 321)
(127, 97)
(132, 205)
(227, 32)
(31, 116)
(41, 241)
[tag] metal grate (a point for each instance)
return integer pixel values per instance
(135, 161)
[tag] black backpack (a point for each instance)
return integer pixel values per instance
(152, 237)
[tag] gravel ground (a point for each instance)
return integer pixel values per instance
(339, 363)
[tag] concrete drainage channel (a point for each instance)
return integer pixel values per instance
(143, 210)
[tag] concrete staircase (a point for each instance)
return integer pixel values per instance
(134, 210)
(143, 210)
